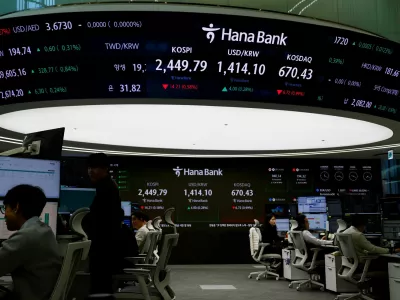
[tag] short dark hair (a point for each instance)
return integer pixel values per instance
(98, 160)
(141, 216)
(31, 200)
(358, 220)
(301, 220)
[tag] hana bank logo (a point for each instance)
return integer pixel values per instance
(177, 171)
(259, 37)
(210, 32)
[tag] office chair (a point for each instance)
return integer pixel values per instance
(149, 225)
(350, 263)
(76, 252)
(300, 261)
(159, 287)
(342, 226)
(168, 218)
(257, 253)
(156, 223)
(293, 227)
(75, 222)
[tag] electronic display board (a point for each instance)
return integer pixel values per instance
(196, 56)
(227, 193)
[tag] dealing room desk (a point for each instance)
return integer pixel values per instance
(394, 274)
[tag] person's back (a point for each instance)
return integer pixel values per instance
(35, 276)
(102, 225)
(362, 245)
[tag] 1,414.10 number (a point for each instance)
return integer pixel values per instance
(237, 67)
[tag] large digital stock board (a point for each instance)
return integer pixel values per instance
(214, 193)
(196, 56)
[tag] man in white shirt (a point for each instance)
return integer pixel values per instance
(139, 221)
(361, 244)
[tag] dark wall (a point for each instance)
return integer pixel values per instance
(203, 244)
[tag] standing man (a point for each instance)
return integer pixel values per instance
(104, 224)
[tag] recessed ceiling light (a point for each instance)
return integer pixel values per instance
(197, 127)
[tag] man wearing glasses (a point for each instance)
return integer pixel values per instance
(31, 253)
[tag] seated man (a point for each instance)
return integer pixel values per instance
(139, 221)
(30, 254)
(361, 244)
(364, 247)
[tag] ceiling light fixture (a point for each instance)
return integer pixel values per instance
(187, 127)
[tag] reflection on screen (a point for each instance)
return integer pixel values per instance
(42, 173)
(279, 210)
(126, 206)
(317, 221)
(282, 225)
(48, 216)
(311, 204)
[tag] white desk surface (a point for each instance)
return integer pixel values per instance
(394, 256)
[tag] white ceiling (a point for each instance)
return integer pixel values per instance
(191, 127)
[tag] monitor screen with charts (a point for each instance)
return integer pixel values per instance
(48, 216)
(42, 173)
(127, 207)
(282, 225)
(311, 205)
(317, 221)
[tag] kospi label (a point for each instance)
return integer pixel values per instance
(228, 34)
(197, 172)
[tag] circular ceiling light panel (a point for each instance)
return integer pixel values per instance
(188, 127)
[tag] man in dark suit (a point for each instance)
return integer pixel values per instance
(30, 254)
(103, 225)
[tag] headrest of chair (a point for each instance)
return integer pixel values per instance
(168, 217)
(256, 223)
(342, 226)
(150, 226)
(156, 223)
(75, 222)
(293, 225)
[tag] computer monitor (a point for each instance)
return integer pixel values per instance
(373, 222)
(41, 173)
(391, 209)
(51, 142)
(293, 210)
(333, 225)
(127, 207)
(317, 221)
(127, 222)
(72, 198)
(48, 216)
(308, 205)
(282, 225)
(279, 210)
(391, 230)
(335, 208)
